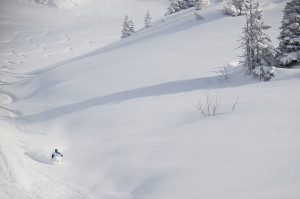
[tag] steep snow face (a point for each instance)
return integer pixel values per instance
(125, 115)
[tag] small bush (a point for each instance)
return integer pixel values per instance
(209, 105)
(198, 16)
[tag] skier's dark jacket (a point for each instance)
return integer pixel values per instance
(56, 154)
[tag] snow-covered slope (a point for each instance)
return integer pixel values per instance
(62, 4)
(124, 112)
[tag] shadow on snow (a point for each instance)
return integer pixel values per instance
(156, 90)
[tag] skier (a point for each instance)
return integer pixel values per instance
(57, 156)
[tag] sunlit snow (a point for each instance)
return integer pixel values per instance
(125, 112)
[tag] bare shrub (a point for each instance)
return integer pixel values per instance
(209, 105)
(224, 74)
(198, 16)
(235, 103)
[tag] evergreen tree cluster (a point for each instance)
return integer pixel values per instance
(288, 52)
(289, 37)
(260, 57)
(178, 5)
(237, 7)
(201, 4)
(259, 54)
(148, 20)
(128, 27)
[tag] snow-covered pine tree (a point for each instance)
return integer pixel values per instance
(237, 7)
(148, 19)
(201, 4)
(128, 27)
(183, 4)
(190, 3)
(187, 4)
(174, 6)
(178, 5)
(290, 35)
(259, 54)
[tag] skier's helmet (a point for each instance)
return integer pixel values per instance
(56, 150)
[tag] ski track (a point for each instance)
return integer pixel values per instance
(29, 40)
(4, 41)
(42, 47)
(8, 177)
(42, 185)
(46, 183)
(8, 62)
(15, 75)
(7, 54)
(86, 43)
(4, 68)
(5, 98)
(44, 33)
(17, 60)
(37, 184)
(87, 31)
(8, 113)
(68, 49)
(16, 35)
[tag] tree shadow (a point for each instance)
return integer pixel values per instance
(156, 90)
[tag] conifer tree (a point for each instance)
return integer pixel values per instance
(191, 3)
(128, 27)
(187, 4)
(290, 34)
(174, 7)
(178, 5)
(198, 16)
(201, 4)
(147, 20)
(259, 54)
(237, 7)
